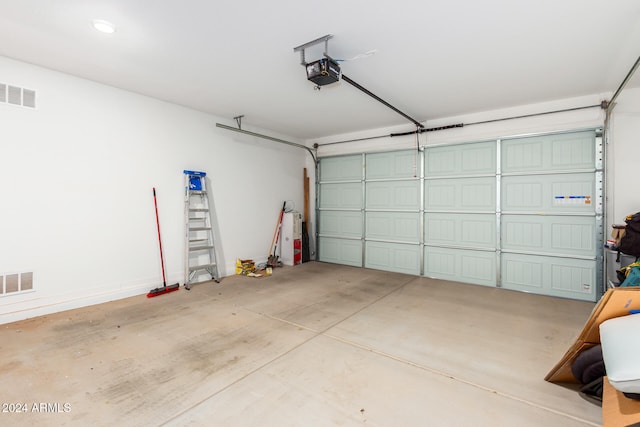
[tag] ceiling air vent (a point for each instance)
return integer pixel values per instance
(17, 96)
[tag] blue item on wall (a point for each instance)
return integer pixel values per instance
(195, 183)
(195, 179)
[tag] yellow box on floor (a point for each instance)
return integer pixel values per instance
(245, 266)
(615, 302)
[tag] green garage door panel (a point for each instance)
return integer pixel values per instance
(559, 193)
(393, 195)
(340, 251)
(466, 159)
(523, 213)
(458, 194)
(562, 277)
(393, 226)
(460, 265)
(341, 196)
(561, 235)
(569, 151)
(393, 165)
(340, 224)
(346, 168)
(469, 230)
(396, 257)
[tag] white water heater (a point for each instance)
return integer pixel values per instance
(291, 238)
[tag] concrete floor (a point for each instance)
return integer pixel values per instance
(313, 345)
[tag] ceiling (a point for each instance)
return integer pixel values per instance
(429, 58)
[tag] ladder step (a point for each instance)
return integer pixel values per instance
(199, 228)
(200, 248)
(198, 210)
(198, 240)
(191, 192)
(201, 267)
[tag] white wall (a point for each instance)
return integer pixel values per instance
(623, 159)
(76, 178)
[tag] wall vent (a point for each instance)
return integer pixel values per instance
(15, 95)
(29, 98)
(16, 283)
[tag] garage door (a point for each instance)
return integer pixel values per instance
(519, 213)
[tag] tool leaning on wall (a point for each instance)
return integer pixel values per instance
(164, 288)
(273, 260)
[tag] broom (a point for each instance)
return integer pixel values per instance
(164, 289)
(272, 260)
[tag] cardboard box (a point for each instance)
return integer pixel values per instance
(618, 410)
(616, 302)
(617, 232)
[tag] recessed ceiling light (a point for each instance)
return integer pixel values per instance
(103, 26)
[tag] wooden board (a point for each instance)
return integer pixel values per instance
(306, 256)
(306, 197)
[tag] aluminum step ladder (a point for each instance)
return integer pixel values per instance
(200, 244)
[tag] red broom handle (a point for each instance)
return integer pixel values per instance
(155, 203)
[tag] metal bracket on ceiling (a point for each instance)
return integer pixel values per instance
(239, 121)
(319, 40)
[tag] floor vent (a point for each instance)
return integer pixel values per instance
(16, 283)
(15, 95)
